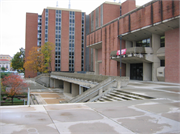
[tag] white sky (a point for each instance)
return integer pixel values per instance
(13, 17)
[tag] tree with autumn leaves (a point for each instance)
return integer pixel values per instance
(39, 59)
(13, 85)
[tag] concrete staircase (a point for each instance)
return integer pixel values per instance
(96, 91)
(119, 95)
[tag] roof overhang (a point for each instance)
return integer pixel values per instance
(158, 28)
(97, 45)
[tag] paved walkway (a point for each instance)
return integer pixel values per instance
(160, 115)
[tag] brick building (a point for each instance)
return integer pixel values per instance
(63, 27)
(149, 35)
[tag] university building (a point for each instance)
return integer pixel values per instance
(63, 27)
(148, 37)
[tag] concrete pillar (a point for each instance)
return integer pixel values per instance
(147, 71)
(156, 61)
(134, 44)
(80, 89)
(128, 70)
(51, 83)
(66, 87)
(129, 44)
(75, 90)
(96, 62)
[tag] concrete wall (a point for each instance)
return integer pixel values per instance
(66, 87)
(75, 90)
(161, 74)
(147, 71)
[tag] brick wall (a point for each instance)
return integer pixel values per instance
(172, 56)
(65, 41)
(31, 37)
(51, 35)
(78, 33)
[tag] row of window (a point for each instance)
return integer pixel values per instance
(71, 39)
(58, 41)
(146, 42)
(82, 44)
(39, 30)
(46, 25)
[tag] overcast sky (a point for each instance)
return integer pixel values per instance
(13, 17)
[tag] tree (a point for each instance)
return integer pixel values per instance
(39, 60)
(14, 85)
(18, 61)
(35, 62)
(47, 50)
(3, 69)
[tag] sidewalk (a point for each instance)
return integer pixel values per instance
(158, 115)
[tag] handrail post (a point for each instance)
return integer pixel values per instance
(28, 101)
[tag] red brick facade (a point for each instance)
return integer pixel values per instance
(31, 37)
(133, 19)
(172, 52)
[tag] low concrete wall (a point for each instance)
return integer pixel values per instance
(43, 79)
(161, 74)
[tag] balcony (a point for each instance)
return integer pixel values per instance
(134, 55)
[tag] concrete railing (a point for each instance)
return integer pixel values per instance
(110, 82)
(88, 77)
(43, 79)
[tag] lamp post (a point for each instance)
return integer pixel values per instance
(120, 37)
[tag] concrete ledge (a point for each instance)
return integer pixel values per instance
(89, 77)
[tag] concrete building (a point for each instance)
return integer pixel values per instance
(5, 63)
(63, 27)
(8, 57)
(149, 38)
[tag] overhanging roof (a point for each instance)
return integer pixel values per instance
(158, 28)
(97, 45)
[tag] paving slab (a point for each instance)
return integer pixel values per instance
(160, 115)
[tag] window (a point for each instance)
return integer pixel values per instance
(143, 43)
(162, 63)
(162, 41)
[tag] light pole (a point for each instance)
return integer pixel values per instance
(120, 37)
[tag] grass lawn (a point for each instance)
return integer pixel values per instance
(8, 101)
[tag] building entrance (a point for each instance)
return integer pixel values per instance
(136, 71)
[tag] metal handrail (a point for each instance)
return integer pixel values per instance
(35, 99)
(96, 90)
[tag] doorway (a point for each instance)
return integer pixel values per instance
(136, 71)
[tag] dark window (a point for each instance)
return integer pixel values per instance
(162, 41)
(143, 43)
(162, 63)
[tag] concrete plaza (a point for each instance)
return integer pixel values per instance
(158, 115)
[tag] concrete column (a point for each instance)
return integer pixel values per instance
(128, 44)
(51, 82)
(156, 61)
(128, 70)
(147, 71)
(80, 89)
(75, 90)
(66, 87)
(134, 44)
(96, 62)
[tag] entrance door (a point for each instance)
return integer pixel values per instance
(136, 71)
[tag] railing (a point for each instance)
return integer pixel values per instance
(92, 91)
(33, 98)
